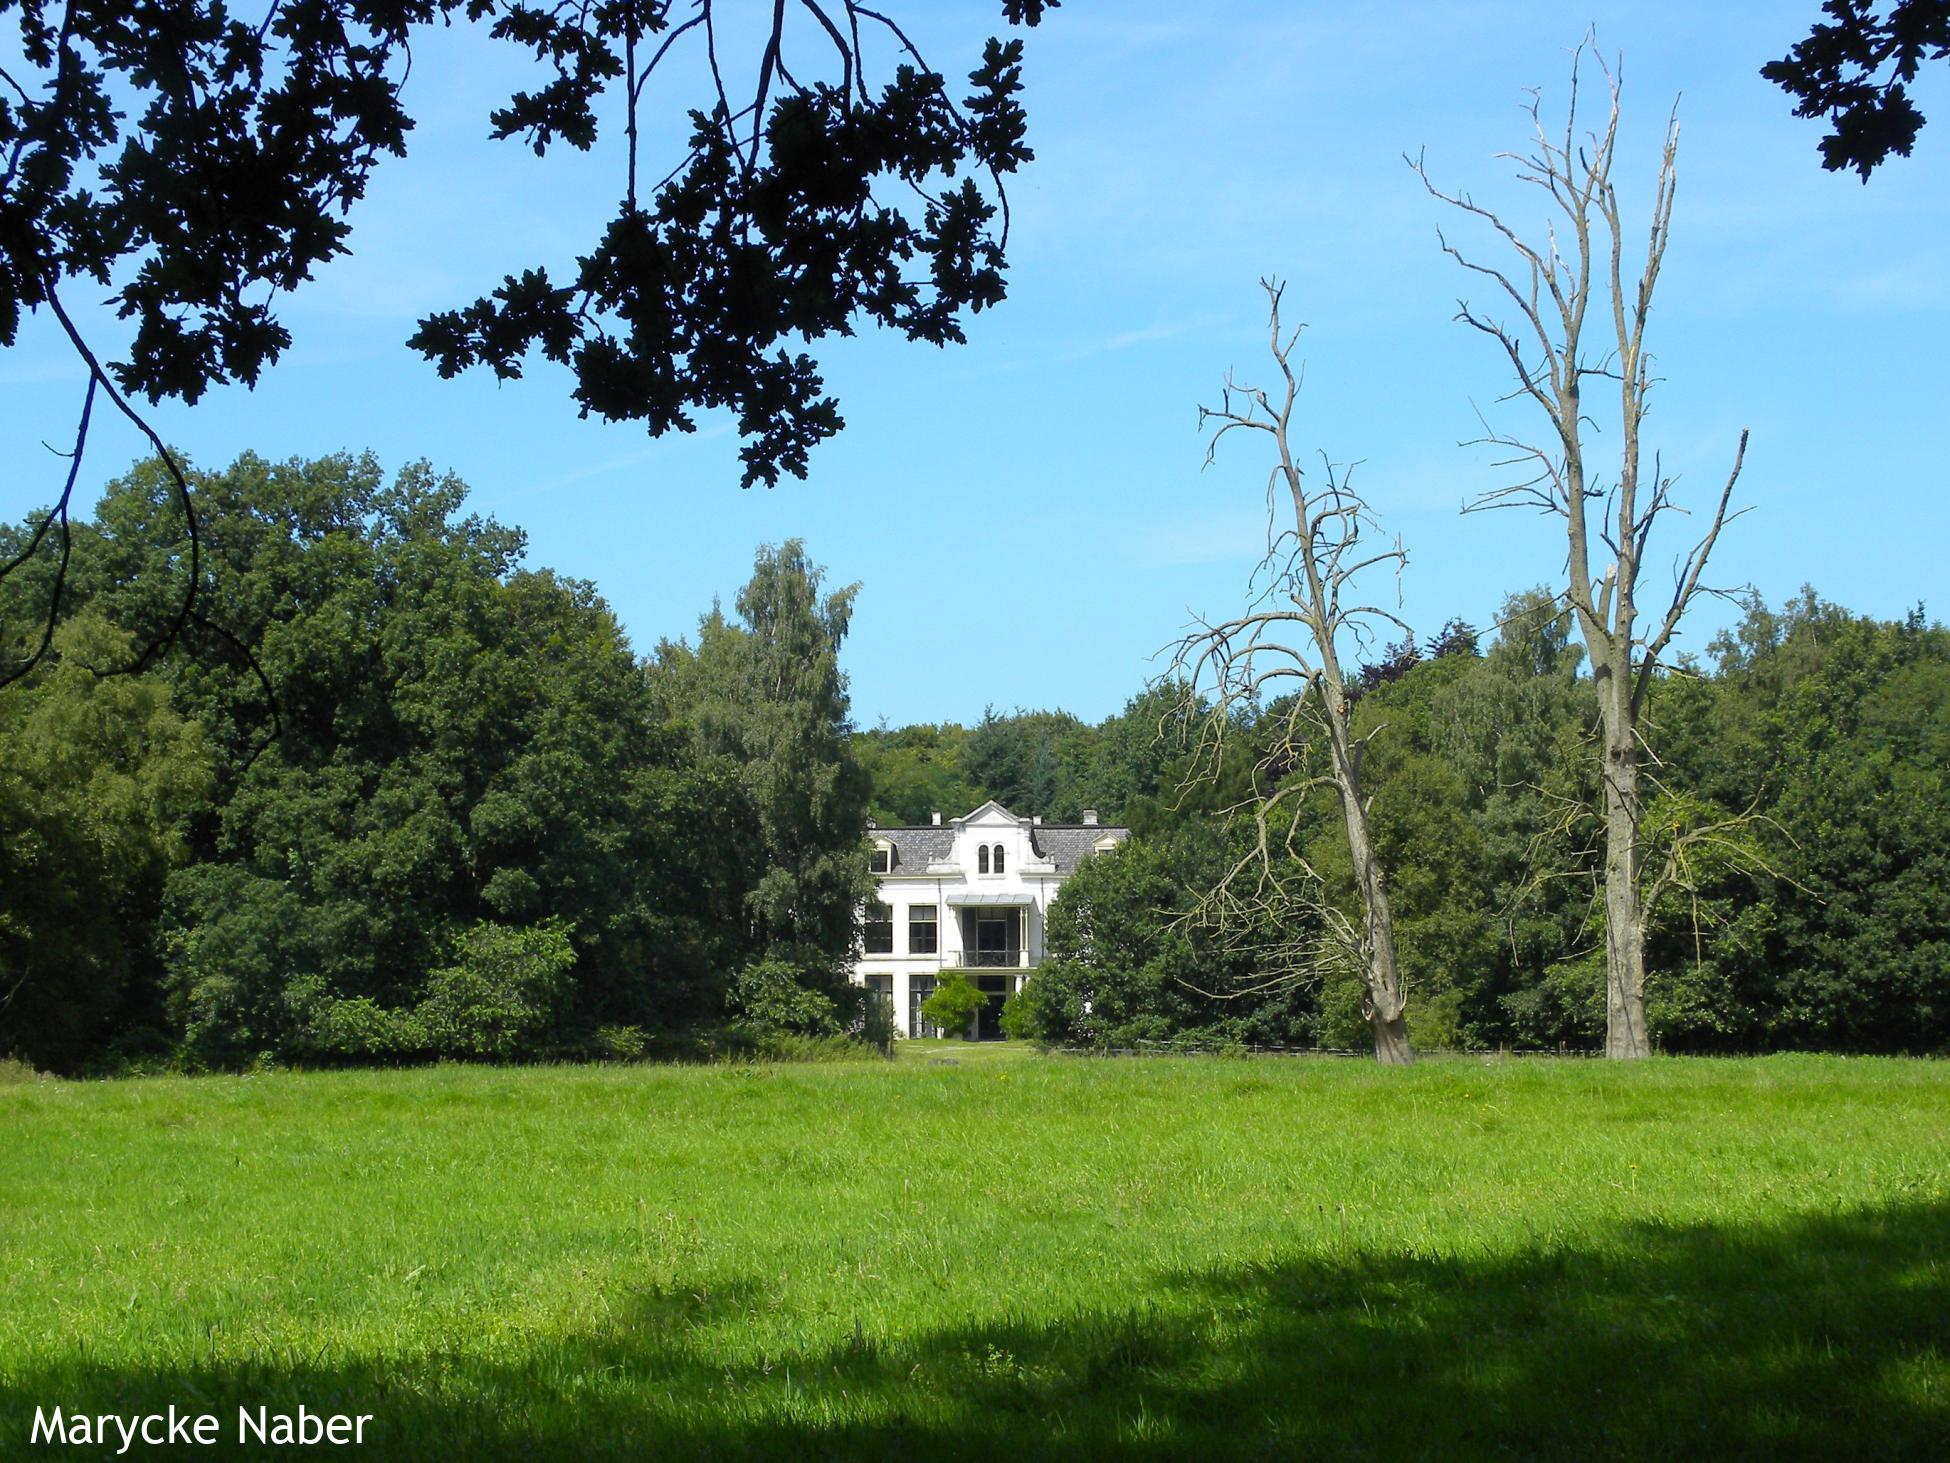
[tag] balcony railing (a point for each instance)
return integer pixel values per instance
(977, 959)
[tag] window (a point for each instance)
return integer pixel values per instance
(982, 859)
(883, 987)
(878, 931)
(881, 860)
(919, 988)
(995, 940)
(998, 858)
(922, 930)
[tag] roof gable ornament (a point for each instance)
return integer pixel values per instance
(990, 814)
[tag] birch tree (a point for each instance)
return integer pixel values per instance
(1582, 300)
(1286, 651)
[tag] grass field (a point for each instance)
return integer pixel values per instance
(987, 1253)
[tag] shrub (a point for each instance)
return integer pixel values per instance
(1566, 1007)
(361, 1027)
(868, 1018)
(236, 946)
(1021, 1021)
(502, 996)
(954, 1003)
(787, 1047)
(619, 1043)
(1053, 1008)
(771, 997)
(1435, 1022)
(1344, 1025)
(1216, 1041)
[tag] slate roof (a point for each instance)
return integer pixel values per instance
(1068, 844)
(1064, 844)
(916, 848)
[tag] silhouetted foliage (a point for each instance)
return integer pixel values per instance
(1456, 637)
(200, 165)
(1396, 661)
(1856, 68)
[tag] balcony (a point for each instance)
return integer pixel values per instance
(993, 959)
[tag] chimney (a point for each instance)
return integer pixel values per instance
(1035, 820)
(937, 820)
(1090, 817)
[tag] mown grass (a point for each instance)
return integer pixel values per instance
(985, 1253)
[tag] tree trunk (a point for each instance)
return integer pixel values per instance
(1385, 1001)
(1391, 1047)
(1625, 1033)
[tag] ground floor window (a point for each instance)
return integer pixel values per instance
(923, 929)
(883, 987)
(919, 988)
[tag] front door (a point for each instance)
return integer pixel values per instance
(988, 1020)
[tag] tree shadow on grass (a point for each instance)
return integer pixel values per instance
(1818, 1338)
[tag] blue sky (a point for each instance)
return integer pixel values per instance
(1027, 514)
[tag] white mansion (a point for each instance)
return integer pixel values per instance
(972, 895)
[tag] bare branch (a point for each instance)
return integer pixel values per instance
(159, 643)
(1577, 176)
(1689, 575)
(58, 514)
(1315, 552)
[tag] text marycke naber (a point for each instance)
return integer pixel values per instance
(259, 1425)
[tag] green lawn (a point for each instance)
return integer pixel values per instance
(987, 1253)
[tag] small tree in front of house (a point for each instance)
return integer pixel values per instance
(954, 1004)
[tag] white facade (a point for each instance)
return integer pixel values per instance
(971, 894)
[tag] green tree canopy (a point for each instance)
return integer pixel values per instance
(99, 780)
(765, 695)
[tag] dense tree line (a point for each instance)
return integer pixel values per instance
(393, 795)
(1802, 806)
(1046, 762)
(396, 796)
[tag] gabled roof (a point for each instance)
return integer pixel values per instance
(1065, 845)
(990, 805)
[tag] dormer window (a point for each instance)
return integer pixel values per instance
(998, 858)
(881, 860)
(1104, 845)
(982, 859)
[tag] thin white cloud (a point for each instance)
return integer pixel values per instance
(1214, 536)
(1204, 323)
(37, 373)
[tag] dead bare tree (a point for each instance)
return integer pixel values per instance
(1554, 287)
(1305, 612)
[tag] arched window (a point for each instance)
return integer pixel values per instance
(982, 859)
(998, 858)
